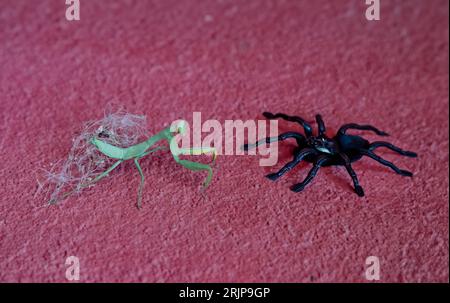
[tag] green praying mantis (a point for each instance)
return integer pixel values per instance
(138, 151)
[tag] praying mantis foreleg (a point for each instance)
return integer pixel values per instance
(197, 166)
(194, 166)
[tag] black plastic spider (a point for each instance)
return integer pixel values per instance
(321, 150)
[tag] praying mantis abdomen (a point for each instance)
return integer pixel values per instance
(120, 153)
(108, 149)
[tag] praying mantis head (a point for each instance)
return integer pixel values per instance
(179, 127)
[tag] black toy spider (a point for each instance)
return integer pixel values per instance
(321, 150)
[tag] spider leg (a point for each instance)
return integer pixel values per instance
(298, 137)
(306, 127)
(377, 144)
(321, 125)
(345, 127)
(299, 157)
(312, 173)
(372, 155)
(358, 189)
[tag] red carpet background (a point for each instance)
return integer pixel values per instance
(228, 60)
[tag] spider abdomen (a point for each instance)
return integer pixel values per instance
(351, 142)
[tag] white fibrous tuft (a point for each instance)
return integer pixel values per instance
(84, 162)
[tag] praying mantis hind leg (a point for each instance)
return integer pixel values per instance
(104, 174)
(95, 180)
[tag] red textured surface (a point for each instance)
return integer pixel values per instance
(229, 60)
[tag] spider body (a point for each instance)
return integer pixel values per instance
(321, 150)
(347, 144)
